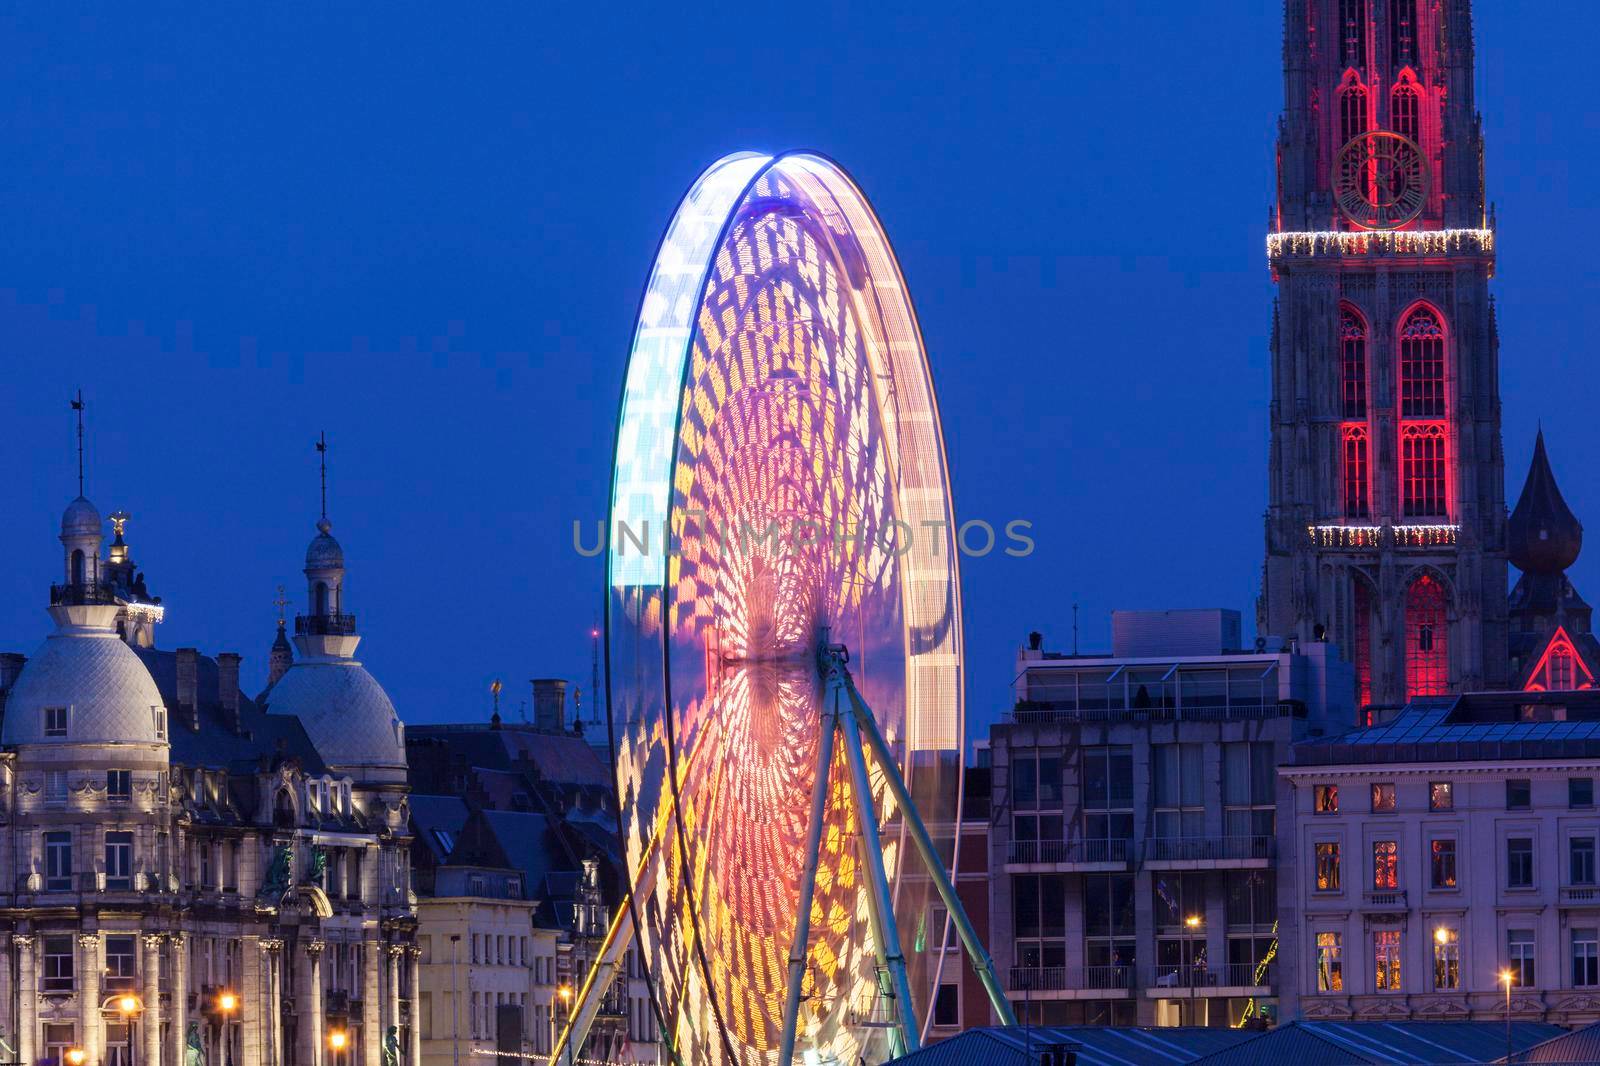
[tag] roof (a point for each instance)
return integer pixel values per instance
(431, 815)
(1580, 1046)
(1360, 1043)
(87, 669)
(559, 758)
(1543, 536)
(344, 709)
(1499, 726)
(1293, 1044)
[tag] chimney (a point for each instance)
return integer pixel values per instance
(228, 688)
(11, 665)
(549, 704)
(189, 688)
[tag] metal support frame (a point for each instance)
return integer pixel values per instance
(595, 985)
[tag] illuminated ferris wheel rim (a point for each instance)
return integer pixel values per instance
(649, 439)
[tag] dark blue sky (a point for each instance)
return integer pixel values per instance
(426, 232)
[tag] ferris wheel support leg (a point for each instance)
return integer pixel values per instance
(886, 933)
(808, 877)
(982, 964)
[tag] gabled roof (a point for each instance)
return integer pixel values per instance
(433, 815)
(1583, 1045)
(1373, 1043)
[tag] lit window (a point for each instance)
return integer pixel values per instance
(1427, 644)
(1519, 862)
(1446, 959)
(1441, 797)
(1330, 964)
(1327, 867)
(1520, 954)
(1422, 471)
(1443, 863)
(1353, 350)
(1352, 110)
(1353, 32)
(1403, 110)
(1403, 32)
(1386, 960)
(1355, 472)
(1383, 796)
(1422, 366)
(1385, 865)
(1326, 799)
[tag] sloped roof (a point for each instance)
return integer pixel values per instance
(428, 813)
(559, 758)
(1543, 536)
(1370, 1043)
(1483, 725)
(1095, 1045)
(1582, 1045)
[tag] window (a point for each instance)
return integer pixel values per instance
(58, 862)
(1519, 953)
(119, 861)
(1386, 960)
(1252, 900)
(1422, 469)
(1403, 110)
(1519, 862)
(55, 787)
(1327, 867)
(58, 964)
(946, 1007)
(1585, 958)
(1383, 797)
(1176, 897)
(119, 786)
(1580, 866)
(1385, 865)
(1443, 863)
(1107, 792)
(1422, 366)
(1403, 32)
(1355, 472)
(1427, 652)
(1353, 33)
(1325, 799)
(158, 718)
(1440, 796)
(55, 721)
(1446, 958)
(1352, 110)
(1519, 794)
(1330, 967)
(119, 962)
(1580, 792)
(1178, 776)
(1249, 784)
(1353, 363)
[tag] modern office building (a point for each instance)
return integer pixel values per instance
(1134, 849)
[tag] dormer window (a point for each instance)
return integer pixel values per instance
(55, 721)
(158, 718)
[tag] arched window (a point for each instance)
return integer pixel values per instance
(322, 598)
(1403, 110)
(1403, 33)
(1353, 32)
(1361, 637)
(1559, 669)
(1422, 365)
(1427, 639)
(1352, 109)
(1356, 497)
(1353, 363)
(1422, 471)
(77, 566)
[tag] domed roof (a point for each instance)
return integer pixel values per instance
(324, 552)
(345, 712)
(1543, 535)
(106, 689)
(81, 518)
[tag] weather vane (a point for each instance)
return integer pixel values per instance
(280, 602)
(77, 405)
(322, 461)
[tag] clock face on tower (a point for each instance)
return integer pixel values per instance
(1380, 180)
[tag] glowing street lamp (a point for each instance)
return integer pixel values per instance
(227, 1003)
(1505, 976)
(127, 1005)
(338, 1040)
(1193, 921)
(76, 1056)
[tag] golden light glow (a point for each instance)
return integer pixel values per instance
(565, 992)
(1194, 921)
(1506, 975)
(76, 1056)
(227, 1001)
(1441, 935)
(338, 1039)
(128, 1004)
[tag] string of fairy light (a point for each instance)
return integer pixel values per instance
(1381, 242)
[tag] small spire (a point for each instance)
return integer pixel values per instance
(322, 461)
(280, 602)
(77, 405)
(1543, 535)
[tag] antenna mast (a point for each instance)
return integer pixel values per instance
(594, 674)
(77, 405)
(322, 461)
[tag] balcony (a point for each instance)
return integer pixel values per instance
(81, 594)
(1209, 853)
(1229, 979)
(325, 625)
(1384, 899)
(1071, 856)
(1580, 895)
(1071, 982)
(1414, 245)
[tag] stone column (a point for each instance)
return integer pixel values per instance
(8, 1000)
(150, 1021)
(308, 1005)
(272, 1004)
(397, 959)
(414, 958)
(178, 1032)
(28, 999)
(372, 1002)
(252, 957)
(91, 1036)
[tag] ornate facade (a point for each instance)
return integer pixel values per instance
(188, 875)
(1385, 527)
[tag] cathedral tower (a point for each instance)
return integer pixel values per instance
(1385, 525)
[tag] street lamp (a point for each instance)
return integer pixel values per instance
(564, 990)
(1505, 976)
(338, 1040)
(76, 1056)
(128, 1006)
(227, 1003)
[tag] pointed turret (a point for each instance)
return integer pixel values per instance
(1543, 536)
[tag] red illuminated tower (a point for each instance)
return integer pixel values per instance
(1386, 520)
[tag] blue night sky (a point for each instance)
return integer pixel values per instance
(426, 232)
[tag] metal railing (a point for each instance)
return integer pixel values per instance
(80, 594)
(1069, 978)
(1037, 712)
(1070, 851)
(325, 625)
(1385, 897)
(1225, 975)
(1189, 849)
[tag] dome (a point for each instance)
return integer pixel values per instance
(106, 689)
(81, 519)
(1543, 535)
(345, 712)
(324, 552)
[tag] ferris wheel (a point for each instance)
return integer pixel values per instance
(783, 636)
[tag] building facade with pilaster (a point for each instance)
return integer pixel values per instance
(185, 870)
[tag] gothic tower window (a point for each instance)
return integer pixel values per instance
(1427, 639)
(1423, 444)
(1422, 365)
(1352, 108)
(1361, 638)
(1422, 471)
(1353, 32)
(1403, 109)
(1355, 472)
(1353, 364)
(1403, 33)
